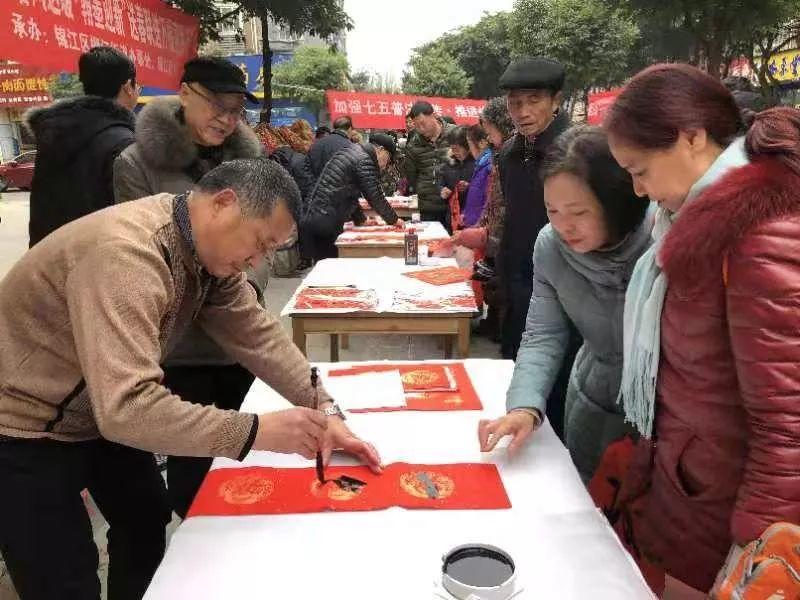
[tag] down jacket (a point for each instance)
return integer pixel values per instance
(352, 173)
(424, 162)
(726, 458)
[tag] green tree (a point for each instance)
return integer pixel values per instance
(360, 80)
(310, 72)
(434, 72)
(65, 85)
(323, 18)
(713, 31)
(482, 50)
(594, 41)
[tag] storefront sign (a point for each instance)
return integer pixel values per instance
(21, 86)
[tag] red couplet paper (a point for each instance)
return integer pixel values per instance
(405, 302)
(441, 275)
(312, 298)
(270, 491)
(428, 386)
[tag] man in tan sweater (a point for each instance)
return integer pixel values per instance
(86, 317)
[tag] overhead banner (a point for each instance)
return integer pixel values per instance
(21, 86)
(599, 105)
(388, 111)
(52, 34)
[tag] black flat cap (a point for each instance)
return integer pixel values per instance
(533, 73)
(216, 74)
(386, 142)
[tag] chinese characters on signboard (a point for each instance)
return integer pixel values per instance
(388, 111)
(599, 105)
(21, 87)
(53, 33)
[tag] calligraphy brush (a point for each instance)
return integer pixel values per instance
(314, 385)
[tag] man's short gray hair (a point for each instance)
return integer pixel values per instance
(258, 182)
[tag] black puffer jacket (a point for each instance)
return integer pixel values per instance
(424, 161)
(77, 141)
(297, 165)
(324, 149)
(350, 174)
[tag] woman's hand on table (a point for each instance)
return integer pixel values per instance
(296, 430)
(339, 437)
(400, 224)
(519, 424)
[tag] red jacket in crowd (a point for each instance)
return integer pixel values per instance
(726, 459)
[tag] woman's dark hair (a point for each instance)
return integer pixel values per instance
(458, 137)
(476, 134)
(104, 70)
(495, 113)
(665, 99)
(583, 151)
(775, 134)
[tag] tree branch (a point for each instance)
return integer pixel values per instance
(226, 16)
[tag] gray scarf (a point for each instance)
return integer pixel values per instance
(644, 302)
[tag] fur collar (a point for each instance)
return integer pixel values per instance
(712, 225)
(165, 143)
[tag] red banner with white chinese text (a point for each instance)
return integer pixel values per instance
(599, 105)
(388, 111)
(52, 34)
(21, 86)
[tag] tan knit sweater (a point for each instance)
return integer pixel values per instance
(87, 315)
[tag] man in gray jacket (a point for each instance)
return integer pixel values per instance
(177, 142)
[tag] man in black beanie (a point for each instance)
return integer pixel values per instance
(78, 140)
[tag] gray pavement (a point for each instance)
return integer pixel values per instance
(14, 207)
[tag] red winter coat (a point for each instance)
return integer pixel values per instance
(726, 462)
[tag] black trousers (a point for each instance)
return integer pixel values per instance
(45, 532)
(223, 386)
(442, 217)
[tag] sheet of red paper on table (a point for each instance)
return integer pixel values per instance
(427, 386)
(441, 275)
(267, 490)
(373, 238)
(333, 297)
(406, 302)
(371, 228)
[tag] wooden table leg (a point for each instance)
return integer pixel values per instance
(299, 334)
(334, 347)
(448, 346)
(344, 341)
(463, 337)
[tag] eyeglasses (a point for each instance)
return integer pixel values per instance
(220, 110)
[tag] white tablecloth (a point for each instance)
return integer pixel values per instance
(385, 277)
(563, 548)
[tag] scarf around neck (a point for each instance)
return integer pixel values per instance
(644, 302)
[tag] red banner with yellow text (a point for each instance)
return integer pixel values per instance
(388, 111)
(52, 34)
(21, 86)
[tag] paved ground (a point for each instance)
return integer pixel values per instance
(13, 243)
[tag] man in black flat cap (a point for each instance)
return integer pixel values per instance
(353, 172)
(532, 86)
(178, 140)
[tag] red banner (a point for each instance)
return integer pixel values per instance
(599, 105)
(388, 111)
(52, 34)
(21, 86)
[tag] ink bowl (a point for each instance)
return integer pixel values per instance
(479, 572)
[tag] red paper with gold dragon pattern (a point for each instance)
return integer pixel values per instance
(270, 491)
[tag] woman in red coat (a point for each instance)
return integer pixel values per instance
(712, 320)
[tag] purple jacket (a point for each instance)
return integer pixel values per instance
(476, 193)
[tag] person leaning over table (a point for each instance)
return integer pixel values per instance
(584, 258)
(88, 315)
(352, 173)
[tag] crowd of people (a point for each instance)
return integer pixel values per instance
(642, 275)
